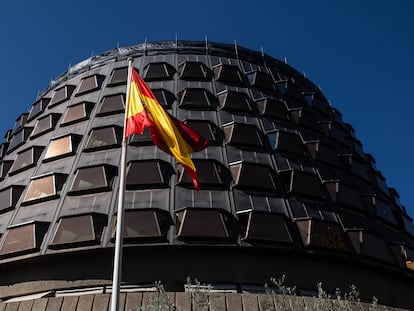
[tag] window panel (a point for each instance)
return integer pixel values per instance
(20, 122)
(9, 197)
(324, 153)
(303, 184)
(4, 168)
(45, 124)
(264, 227)
(104, 138)
(164, 97)
(244, 136)
(229, 74)
(62, 94)
(370, 245)
(23, 239)
(345, 195)
(204, 224)
(317, 233)
(305, 118)
(194, 71)
(196, 99)
(26, 159)
(77, 113)
(148, 174)
(211, 175)
(208, 130)
(44, 188)
(261, 80)
(79, 230)
(37, 108)
(112, 104)
(19, 138)
(145, 225)
(254, 178)
(62, 147)
(273, 109)
(235, 102)
(143, 139)
(119, 76)
(159, 71)
(286, 142)
(90, 84)
(92, 179)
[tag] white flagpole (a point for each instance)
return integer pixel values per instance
(116, 279)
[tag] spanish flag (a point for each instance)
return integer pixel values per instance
(168, 133)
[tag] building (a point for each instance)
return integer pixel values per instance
(286, 187)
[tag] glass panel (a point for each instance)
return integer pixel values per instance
(102, 138)
(159, 71)
(45, 124)
(112, 104)
(19, 138)
(254, 177)
(9, 197)
(19, 239)
(119, 76)
(26, 159)
(148, 174)
(41, 188)
(207, 129)
(20, 121)
(38, 107)
(164, 97)
(4, 168)
(60, 147)
(192, 98)
(210, 175)
(74, 230)
(77, 113)
(90, 84)
(244, 136)
(235, 102)
(228, 74)
(194, 71)
(62, 94)
(91, 179)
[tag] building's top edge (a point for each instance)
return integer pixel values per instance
(174, 46)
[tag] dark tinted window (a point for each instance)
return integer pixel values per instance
(9, 197)
(272, 108)
(235, 102)
(148, 174)
(211, 175)
(112, 104)
(244, 136)
(79, 230)
(90, 84)
(159, 71)
(38, 107)
(45, 124)
(23, 239)
(4, 168)
(164, 97)
(77, 113)
(19, 138)
(119, 76)
(228, 74)
(194, 71)
(26, 159)
(208, 130)
(198, 99)
(62, 94)
(103, 138)
(92, 179)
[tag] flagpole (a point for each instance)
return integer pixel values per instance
(117, 272)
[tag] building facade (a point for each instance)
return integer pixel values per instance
(286, 187)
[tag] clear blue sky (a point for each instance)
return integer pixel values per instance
(359, 52)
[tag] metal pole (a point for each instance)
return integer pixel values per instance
(116, 279)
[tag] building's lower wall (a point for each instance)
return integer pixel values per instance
(226, 266)
(152, 301)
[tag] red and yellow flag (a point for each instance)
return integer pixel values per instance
(168, 133)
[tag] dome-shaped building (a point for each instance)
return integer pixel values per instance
(286, 188)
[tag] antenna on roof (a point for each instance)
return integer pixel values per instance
(117, 45)
(262, 51)
(286, 60)
(176, 41)
(236, 49)
(145, 46)
(206, 42)
(304, 74)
